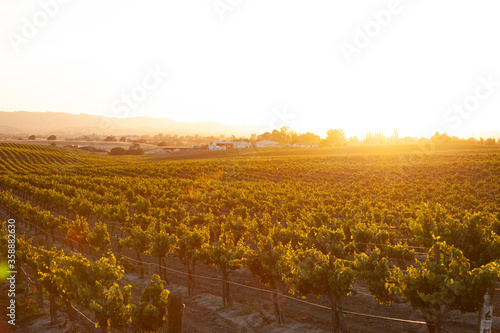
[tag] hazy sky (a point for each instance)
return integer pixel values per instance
(418, 66)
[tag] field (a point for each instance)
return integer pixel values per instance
(402, 238)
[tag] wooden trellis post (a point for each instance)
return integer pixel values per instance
(175, 312)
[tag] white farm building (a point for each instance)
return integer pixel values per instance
(267, 143)
(221, 145)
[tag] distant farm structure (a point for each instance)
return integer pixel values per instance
(267, 143)
(223, 145)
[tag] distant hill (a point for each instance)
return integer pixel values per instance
(42, 123)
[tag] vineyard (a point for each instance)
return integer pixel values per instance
(362, 239)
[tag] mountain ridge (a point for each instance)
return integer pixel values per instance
(42, 123)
